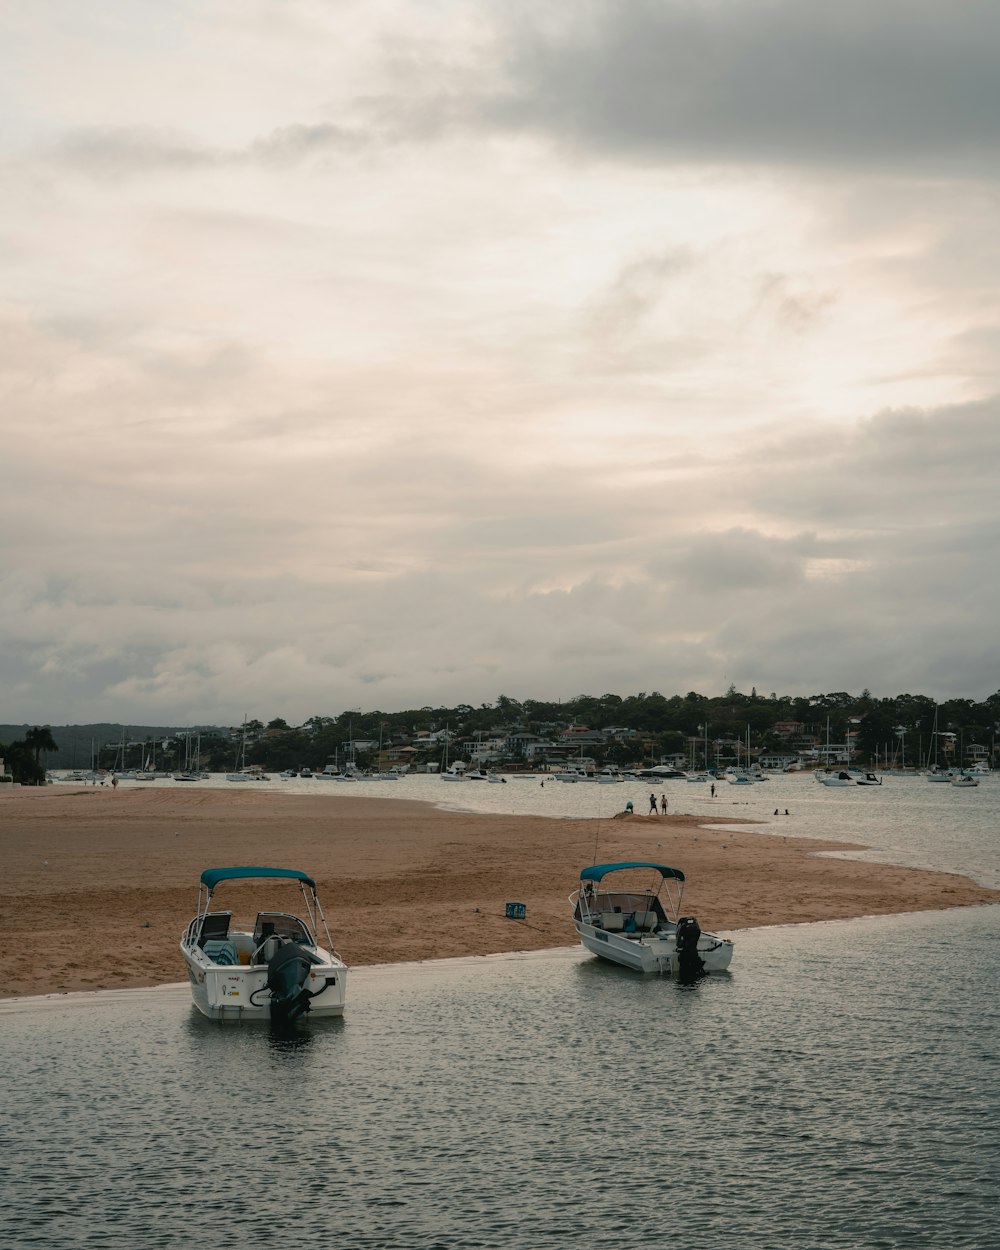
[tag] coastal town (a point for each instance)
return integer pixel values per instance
(585, 736)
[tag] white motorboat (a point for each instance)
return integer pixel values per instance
(868, 779)
(332, 773)
(640, 926)
(252, 772)
(840, 778)
(847, 777)
(274, 969)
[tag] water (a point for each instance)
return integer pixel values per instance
(840, 1088)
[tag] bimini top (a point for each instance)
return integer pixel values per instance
(597, 871)
(211, 877)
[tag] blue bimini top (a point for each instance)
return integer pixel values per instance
(597, 871)
(211, 877)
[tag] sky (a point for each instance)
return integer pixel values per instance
(403, 353)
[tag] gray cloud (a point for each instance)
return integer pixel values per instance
(895, 83)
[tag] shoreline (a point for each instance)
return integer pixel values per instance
(105, 881)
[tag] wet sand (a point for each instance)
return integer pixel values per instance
(98, 884)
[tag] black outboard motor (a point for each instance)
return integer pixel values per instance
(689, 962)
(287, 973)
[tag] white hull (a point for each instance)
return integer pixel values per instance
(224, 992)
(652, 952)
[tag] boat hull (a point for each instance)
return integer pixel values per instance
(653, 953)
(226, 992)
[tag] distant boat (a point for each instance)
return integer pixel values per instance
(869, 779)
(964, 780)
(252, 772)
(332, 773)
(450, 772)
(841, 778)
(240, 772)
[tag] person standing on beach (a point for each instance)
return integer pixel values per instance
(652, 804)
(713, 789)
(663, 805)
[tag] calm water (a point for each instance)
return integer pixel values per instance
(840, 1088)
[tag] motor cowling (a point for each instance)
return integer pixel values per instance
(689, 962)
(287, 973)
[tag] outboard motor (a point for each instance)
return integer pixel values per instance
(287, 973)
(689, 962)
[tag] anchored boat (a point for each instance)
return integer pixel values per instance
(273, 970)
(640, 926)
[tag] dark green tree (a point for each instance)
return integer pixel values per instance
(21, 763)
(40, 739)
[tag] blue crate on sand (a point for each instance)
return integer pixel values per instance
(517, 911)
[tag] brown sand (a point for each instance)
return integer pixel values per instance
(98, 884)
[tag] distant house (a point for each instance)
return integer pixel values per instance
(525, 746)
(777, 762)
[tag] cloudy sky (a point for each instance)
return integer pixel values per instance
(399, 352)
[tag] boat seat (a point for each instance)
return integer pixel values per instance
(613, 921)
(221, 952)
(646, 920)
(267, 949)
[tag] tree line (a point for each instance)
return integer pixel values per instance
(902, 725)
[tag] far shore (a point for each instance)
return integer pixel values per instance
(101, 882)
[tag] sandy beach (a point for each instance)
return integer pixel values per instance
(100, 883)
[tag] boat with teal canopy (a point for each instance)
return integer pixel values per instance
(629, 913)
(277, 966)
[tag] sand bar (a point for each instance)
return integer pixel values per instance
(100, 883)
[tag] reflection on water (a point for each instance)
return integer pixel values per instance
(839, 1088)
